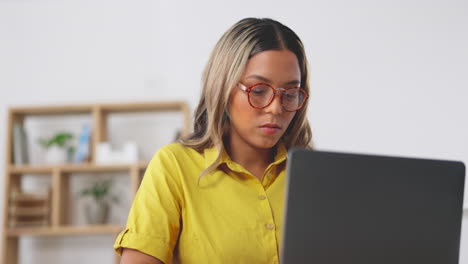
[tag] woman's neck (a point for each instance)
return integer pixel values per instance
(255, 160)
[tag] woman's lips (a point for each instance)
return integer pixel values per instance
(270, 128)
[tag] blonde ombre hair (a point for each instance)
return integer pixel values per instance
(224, 70)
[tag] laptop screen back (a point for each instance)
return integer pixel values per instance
(363, 209)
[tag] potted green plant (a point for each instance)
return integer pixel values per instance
(58, 147)
(97, 208)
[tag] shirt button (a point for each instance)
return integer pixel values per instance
(270, 226)
(262, 197)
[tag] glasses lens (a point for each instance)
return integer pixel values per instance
(260, 95)
(293, 99)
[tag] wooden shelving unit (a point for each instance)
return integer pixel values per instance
(64, 230)
(60, 174)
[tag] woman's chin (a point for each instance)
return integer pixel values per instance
(267, 143)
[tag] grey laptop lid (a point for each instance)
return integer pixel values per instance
(363, 209)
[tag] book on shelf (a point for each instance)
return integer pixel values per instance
(20, 145)
(29, 209)
(29, 212)
(17, 196)
(28, 222)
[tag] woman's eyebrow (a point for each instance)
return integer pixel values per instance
(263, 79)
(258, 77)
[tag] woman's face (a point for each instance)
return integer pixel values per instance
(263, 128)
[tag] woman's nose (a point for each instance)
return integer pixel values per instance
(275, 106)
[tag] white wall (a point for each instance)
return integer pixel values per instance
(388, 77)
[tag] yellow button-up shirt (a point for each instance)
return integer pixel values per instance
(228, 216)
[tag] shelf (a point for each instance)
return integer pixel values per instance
(73, 168)
(65, 230)
(61, 176)
(143, 107)
(53, 110)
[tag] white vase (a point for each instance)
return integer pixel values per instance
(56, 155)
(96, 212)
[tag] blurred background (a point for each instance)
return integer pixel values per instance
(387, 77)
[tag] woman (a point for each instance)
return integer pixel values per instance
(217, 196)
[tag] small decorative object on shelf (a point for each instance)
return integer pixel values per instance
(178, 135)
(97, 209)
(29, 209)
(82, 153)
(58, 148)
(106, 155)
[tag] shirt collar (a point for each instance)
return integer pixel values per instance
(211, 154)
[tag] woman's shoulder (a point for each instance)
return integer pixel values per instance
(177, 152)
(176, 149)
(176, 159)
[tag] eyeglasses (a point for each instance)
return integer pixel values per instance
(262, 94)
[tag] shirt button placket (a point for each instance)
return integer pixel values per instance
(270, 236)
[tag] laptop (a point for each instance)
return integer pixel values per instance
(364, 209)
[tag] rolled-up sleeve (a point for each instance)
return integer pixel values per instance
(153, 223)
